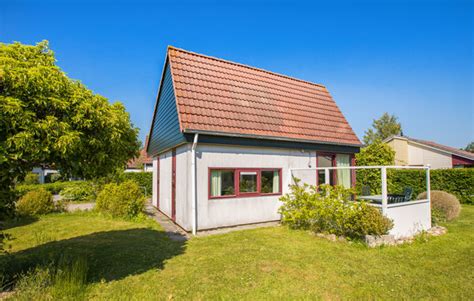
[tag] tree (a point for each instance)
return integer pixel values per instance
(48, 118)
(382, 128)
(470, 147)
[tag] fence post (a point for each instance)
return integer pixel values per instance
(384, 190)
(428, 188)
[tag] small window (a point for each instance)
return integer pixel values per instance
(222, 183)
(270, 181)
(248, 182)
(245, 182)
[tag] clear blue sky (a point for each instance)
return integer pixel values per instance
(412, 59)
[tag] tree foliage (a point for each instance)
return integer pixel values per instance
(48, 118)
(382, 128)
(470, 147)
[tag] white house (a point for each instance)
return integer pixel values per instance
(417, 152)
(224, 136)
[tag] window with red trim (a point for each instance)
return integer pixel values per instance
(241, 182)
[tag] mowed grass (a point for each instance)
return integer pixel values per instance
(135, 261)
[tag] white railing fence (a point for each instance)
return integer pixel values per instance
(408, 217)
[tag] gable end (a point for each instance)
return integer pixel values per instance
(165, 131)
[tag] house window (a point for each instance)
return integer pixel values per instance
(270, 181)
(248, 182)
(241, 182)
(222, 183)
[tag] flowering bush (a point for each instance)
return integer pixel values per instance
(330, 210)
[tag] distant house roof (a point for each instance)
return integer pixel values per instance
(219, 97)
(142, 158)
(448, 149)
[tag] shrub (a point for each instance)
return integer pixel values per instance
(31, 178)
(375, 154)
(330, 210)
(36, 202)
(79, 193)
(123, 200)
(143, 179)
(444, 206)
(54, 188)
(52, 177)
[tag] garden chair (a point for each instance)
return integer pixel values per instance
(365, 190)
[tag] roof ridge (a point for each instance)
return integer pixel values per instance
(246, 66)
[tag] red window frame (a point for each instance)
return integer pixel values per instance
(237, 172)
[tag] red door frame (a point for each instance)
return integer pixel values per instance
(173, 185)
(333, 163)
(158, 183)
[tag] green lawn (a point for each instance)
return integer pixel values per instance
(136, 261)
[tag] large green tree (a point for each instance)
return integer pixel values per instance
(382, 128)
(48, 118)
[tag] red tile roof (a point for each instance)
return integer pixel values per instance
(142, 158)
(220, 97)
(449, 149)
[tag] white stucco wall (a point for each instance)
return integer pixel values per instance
(154, 184)
(409, 218)
(420, 155)
(183, 202)
(165, 183)
(214, 213)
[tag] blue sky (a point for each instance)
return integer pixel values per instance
(412, 59)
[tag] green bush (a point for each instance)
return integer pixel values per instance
(31, 178)
(457, 181)
(80, 193)
(36, 202)
(122, 200)
(375, 154)
(52, 177)
(330, 210)
(143, 179)
(444, 206)
(54, 188)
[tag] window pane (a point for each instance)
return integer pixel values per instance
(325, 161)
(270, 181)
(222, 182)
(343, 175)
(248, 182)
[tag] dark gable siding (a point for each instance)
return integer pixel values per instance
(165, 133)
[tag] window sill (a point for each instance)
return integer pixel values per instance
(244, 195)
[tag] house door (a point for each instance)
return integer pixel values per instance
(173, 186)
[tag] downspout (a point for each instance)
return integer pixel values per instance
(193, 182)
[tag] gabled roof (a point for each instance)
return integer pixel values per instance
(218, 97)
(447, 149)
(142, 158)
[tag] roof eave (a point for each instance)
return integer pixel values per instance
(225, 134)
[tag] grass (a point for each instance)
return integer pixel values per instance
(135, 261)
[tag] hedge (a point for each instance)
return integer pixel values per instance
(143, 179)
(458, 181)
(54, 188)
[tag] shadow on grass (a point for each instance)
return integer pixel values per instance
(110, 255)
(18, 222)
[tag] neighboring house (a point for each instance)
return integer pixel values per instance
(141, 163)
(44, 172)
(410, 151)
(224, 136)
